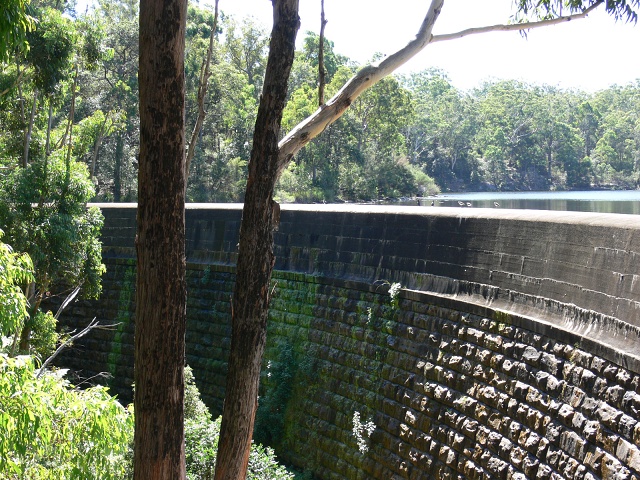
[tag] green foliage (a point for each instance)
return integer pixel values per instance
(544, 9)
(16, 269)
(53, 431)
(16, 21)
(44, 210)
(406, 136)
(51, 47)
(278, 387)
(201, 442)
(44, 338)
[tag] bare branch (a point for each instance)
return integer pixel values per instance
(515, 26)
(70, 298)
(92, 325)
(321, 72)
(205, 73)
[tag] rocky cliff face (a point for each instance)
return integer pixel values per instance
(509, 351)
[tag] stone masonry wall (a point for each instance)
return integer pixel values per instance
(509, 352)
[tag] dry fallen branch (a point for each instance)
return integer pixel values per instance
(93, 324)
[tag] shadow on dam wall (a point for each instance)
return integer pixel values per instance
(510, 351)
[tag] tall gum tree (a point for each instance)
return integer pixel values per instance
(269, 158)
(160, 284)
(255, 256)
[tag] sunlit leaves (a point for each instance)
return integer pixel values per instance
(51, 431)
(44, 209)
(16, 21)
(16, 270)
(51, 47)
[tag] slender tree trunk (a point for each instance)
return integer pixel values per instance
(72, 114)
(21, 97)
(29, 131)
(35, 299)
(255, 256)
(205, 73)
(117, 169)
(160, 282)
(321, 72)
(47, 146)
(96, 146)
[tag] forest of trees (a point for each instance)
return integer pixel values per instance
(74, 94)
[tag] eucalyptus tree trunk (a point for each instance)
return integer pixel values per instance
(29, 130)
(160, 244)
(117, 169)
(96, 145)
(260, 217)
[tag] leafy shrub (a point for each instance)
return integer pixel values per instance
(52, 431)
(201, 445)
(201, 442)
(15, 270)
(277, 387)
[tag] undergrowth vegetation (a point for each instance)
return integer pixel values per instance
(53, 431)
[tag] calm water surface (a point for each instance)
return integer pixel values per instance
(620, 201)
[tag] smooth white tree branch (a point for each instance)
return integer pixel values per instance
(368, 76)
(515, 26)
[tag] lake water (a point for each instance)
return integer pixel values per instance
(619, 201)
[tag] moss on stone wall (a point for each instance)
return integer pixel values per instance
(125, 275)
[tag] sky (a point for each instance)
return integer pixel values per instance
(588, 54)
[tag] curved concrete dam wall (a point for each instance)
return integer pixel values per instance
(511, 349)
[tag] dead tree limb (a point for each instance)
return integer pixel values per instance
(321, 72)
(93, 324)
(205, 74)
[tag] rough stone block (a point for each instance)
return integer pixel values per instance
(573, 445)
(551, 363)
(614, 395)
(544, 472)
(626, 426)
(531, 356)
(608, 415)
(591, 430)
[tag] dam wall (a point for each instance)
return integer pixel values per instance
(412, 342)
